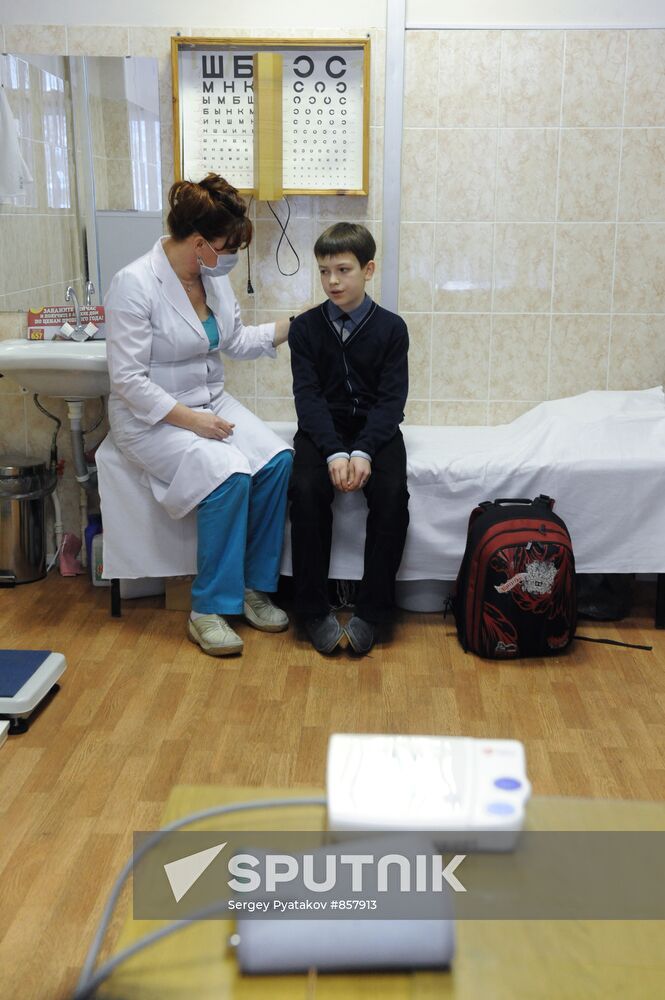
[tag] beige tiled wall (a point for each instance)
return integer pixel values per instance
(533, 216)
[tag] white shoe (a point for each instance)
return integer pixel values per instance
(263, 614)
(214, 635)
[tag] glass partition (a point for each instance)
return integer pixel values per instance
(86, 196)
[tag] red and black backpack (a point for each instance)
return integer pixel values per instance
(515, 593)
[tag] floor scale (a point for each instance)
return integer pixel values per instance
(27, 678)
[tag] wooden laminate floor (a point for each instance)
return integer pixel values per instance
(141, 709)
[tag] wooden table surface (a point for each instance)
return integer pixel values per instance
(494, 960)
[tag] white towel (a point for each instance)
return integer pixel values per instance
(14, 173)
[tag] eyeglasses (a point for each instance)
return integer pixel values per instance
(214, 250)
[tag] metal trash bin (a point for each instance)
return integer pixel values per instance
(24, 485)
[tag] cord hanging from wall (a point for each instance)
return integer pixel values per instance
(284, 236)
(250, 287)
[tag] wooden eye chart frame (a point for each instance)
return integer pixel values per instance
(325, 112)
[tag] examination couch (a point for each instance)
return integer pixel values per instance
(600, 455)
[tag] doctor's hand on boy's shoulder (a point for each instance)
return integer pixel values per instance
(281, 331)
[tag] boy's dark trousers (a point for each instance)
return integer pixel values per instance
(311, 494)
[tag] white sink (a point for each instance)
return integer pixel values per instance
(61, 368)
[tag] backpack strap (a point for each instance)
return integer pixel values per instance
(613, 642)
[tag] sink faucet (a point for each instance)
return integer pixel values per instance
(78, 333)
(89, 292)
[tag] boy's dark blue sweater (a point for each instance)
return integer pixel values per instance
(349, 396)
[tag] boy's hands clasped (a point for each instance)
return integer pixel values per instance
(349, 474)
(359, 472)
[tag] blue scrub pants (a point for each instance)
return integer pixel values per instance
(240, 531)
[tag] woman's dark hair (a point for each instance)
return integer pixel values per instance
(211, 207)
(346, 237)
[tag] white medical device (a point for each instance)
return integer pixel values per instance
(26, 677)
(456, 789)
(459, 786)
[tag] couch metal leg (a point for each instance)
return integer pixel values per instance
(660, 601)
(115, 599)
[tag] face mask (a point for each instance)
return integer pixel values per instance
(225, 263)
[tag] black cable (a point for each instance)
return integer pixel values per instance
(99, 419)
(283, 227)
(613, 642)
(250, 287)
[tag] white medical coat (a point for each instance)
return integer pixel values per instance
(159, 355)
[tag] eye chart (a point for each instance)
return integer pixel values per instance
(325, 112)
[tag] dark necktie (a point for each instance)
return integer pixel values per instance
(344, 331)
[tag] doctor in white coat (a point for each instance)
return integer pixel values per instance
(169, 317)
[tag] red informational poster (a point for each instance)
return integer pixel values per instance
(46, 323)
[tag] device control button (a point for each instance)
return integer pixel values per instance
(501, 808)
(508, 784)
